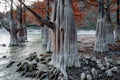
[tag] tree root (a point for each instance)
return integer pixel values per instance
(10, 64)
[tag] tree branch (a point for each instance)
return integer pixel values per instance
(46, 22)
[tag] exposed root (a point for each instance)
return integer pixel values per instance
(10, 64)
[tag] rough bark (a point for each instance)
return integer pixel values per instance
(45, 35)
(117, 28)
(22, 34)
(109, 26)
(100, 42)
(64, 36)
(13, 31)
(117, 33)
(46, 29)
(49, 43)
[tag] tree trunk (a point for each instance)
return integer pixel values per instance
(13, 31)
(22, 34)
(117, 28)
(109, 26)
(46, 29)
(45, 35)
(13, 38)
(117, 33)
(65, 53)
(64, 35)
(49, 43)
(100, 42)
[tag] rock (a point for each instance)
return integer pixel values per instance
(10, 64)
(46, 55)
(37, 59)
(115, 69)
(4, 56)
(32, 56)
(4, 45)
(44, 62)
(94, 72)
(48, 59)
(89, 77)
(41, 54)
(83, 76)
(42, 59)
(109, 73)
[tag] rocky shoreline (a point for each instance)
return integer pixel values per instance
(92, 68)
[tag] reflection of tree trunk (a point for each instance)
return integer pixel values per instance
(100, 43)
(109, 26)
(117, 28)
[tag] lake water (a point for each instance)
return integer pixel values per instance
(19, 53)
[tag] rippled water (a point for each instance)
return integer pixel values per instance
(19, 53)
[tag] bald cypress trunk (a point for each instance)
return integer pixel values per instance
(117, 28)
(64, 35)
(45, 35)
(13, 30)
(65, 53)
(46, 29)
(49, 43)
(109, 27)
(100, 42)
(22, 34)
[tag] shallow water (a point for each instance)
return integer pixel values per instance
(19, 53)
